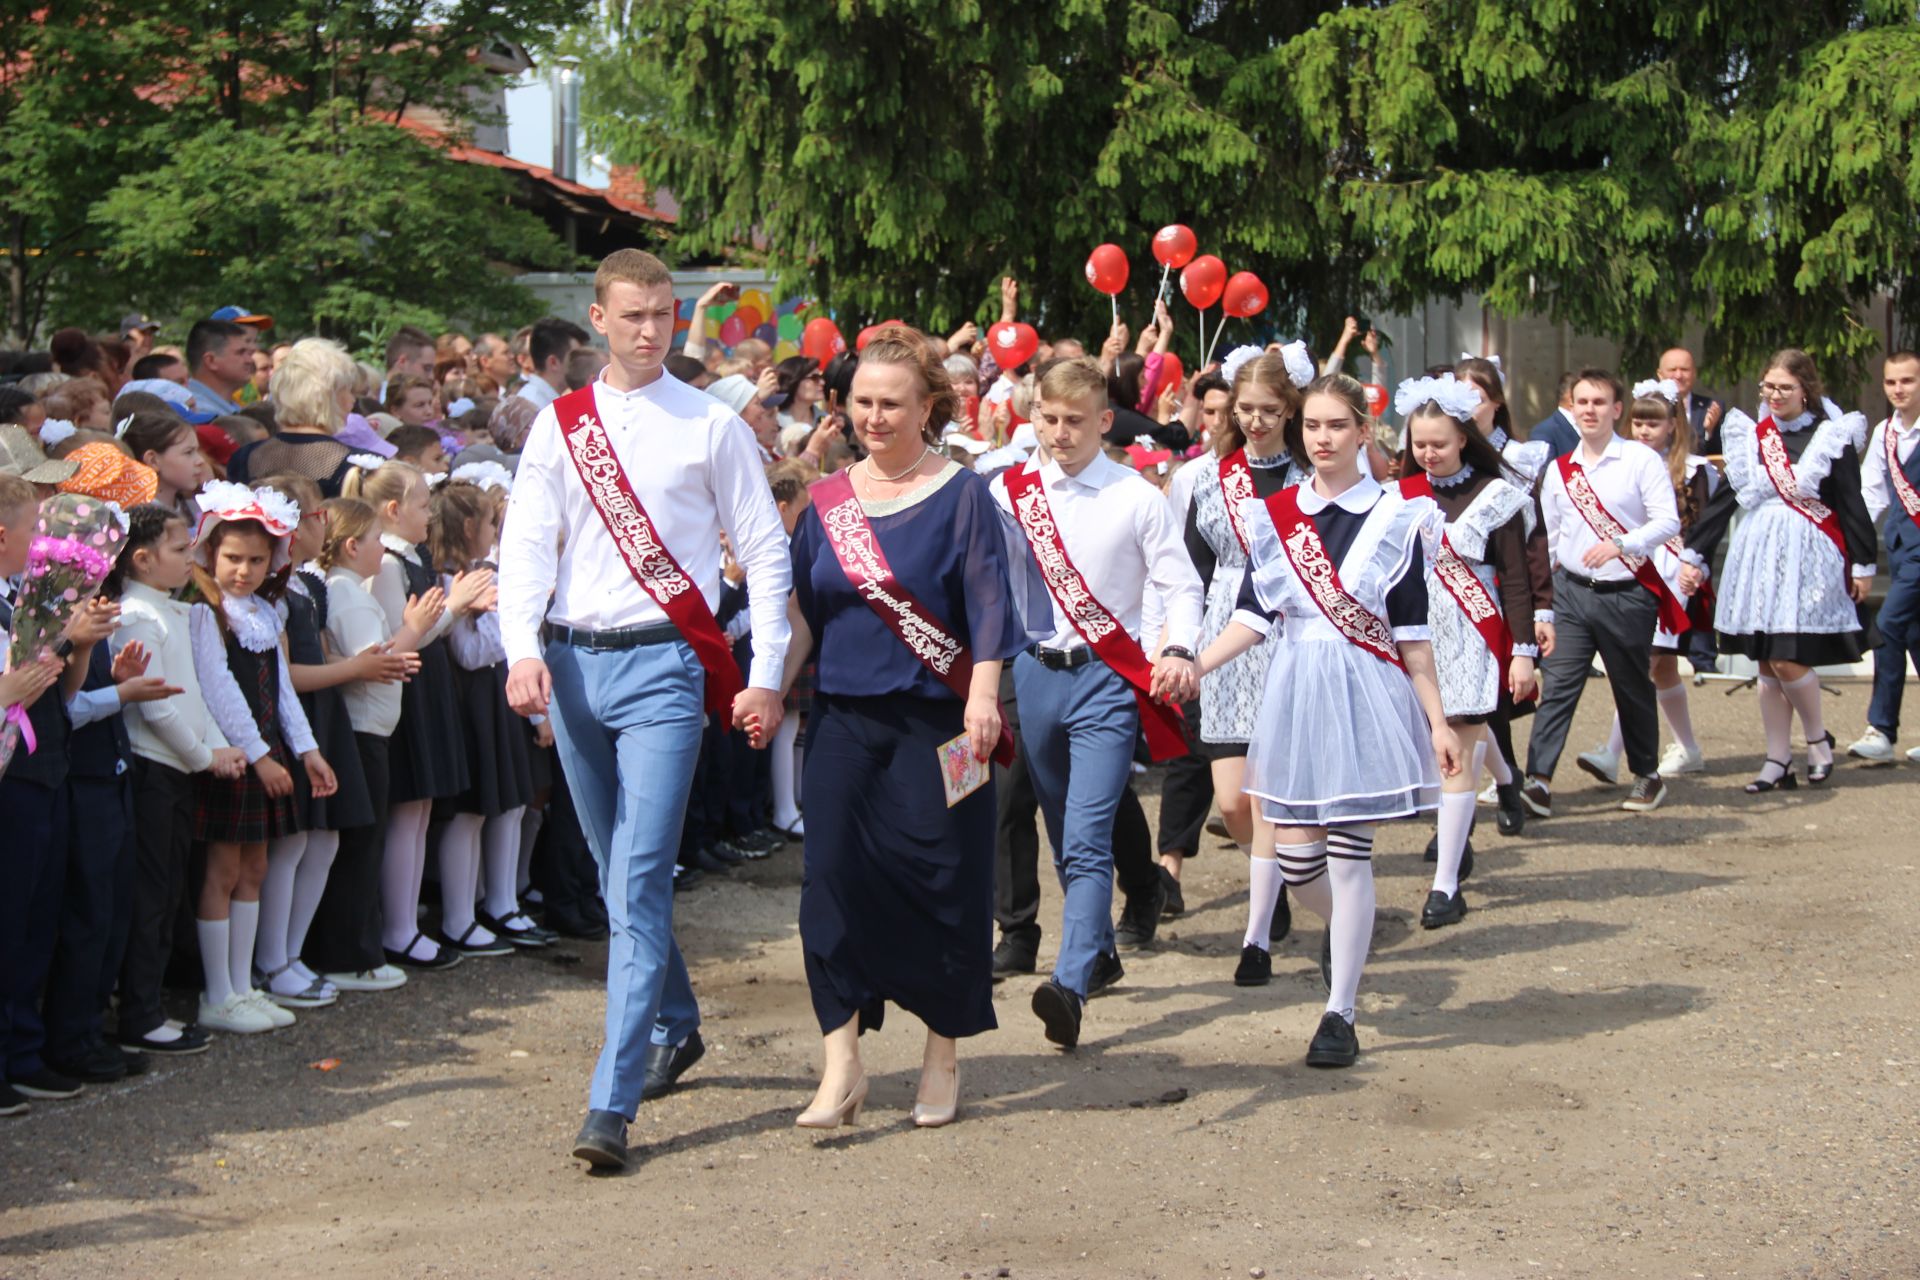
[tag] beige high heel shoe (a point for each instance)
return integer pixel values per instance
(927, 1116)
(846, 1111)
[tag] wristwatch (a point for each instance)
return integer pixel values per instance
(1176, 651)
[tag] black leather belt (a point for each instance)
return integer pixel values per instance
(1062, 659)
(623, 638)
(1603, 587)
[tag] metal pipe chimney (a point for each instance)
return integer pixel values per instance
(566, 119)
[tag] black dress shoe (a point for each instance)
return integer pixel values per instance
(602, 1141)
(1059, 1012)
(12, 1103)
(1433, 849)
(1537, 796)
(1218, 827)
(1466, 861)
(1442, 910)
(1106, 972)
(666, 1063)
(1326, 958)
(190, 1040)
(1176, 900)
(95, 1063)
(1282, 919)
(1015, 954)
(714, 863)
(1255, 968)
(46, 1083)
(1140, 917)
(1334, 1044)
(688, 878)
(1511, 816)
(530, 936)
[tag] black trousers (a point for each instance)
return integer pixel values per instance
(1618, 625)
(563, 868)
(1186, 792)
(162, 849)
(345, 937)
(94, 913)
(1016, 850)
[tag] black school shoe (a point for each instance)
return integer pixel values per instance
(1106, 972)
(12, 1101)
(1334, 1044)
(1255, 968)
(666, 1063)
(1176, 900)
(531, 936)
(45, 1083)
(1140, 917)
(1282, 919)
(190, 1040)
(1059, 1012)
(94, 1063)
(1511, 816)
(1013, 955)
(602, 1141)
(1442, 910)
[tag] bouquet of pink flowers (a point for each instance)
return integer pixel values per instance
(74, 546)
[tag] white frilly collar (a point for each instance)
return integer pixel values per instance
(1800, 423)
(400, 547)
(1453, 481)
(253, 621)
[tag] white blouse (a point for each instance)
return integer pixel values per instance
(253, 621)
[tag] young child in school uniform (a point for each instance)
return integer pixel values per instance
(239, 655)
(173, 740)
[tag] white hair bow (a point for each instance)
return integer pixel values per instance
(120, 427)
(1236, 360)
(366, 461)
(1666, 388)
(54, 430)
(460, 407)
(1492, 360)
(1456, 397)
(1299, 363)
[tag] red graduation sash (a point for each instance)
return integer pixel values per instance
(1902, 487)
(866, 567)
(1458, 577)
(1236, 486)
(1300, 540)
(1773, 456)
(1580, 492)
(647, 558)
(1164, 726)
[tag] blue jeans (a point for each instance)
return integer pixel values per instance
(1899, 624)
(1078, 728)
(627, 724)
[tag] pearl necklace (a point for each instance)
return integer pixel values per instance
(875, 473)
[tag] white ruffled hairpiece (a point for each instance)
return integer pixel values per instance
(437, 479)
(460, 407)
(366, 461)
(224, 501)
(1299, 363)
(1456, 397)
(1492, 360)
(487, 475)
(54, 430)
(120, 427)
(1237, 360)
(1666, 388)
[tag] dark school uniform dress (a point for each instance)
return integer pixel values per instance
(499, 750)
(239, 810)
(428, 756)
(352, 805)
(896, 894)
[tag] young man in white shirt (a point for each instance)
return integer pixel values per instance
(1102, 538)
(1899, 618)
(1601, 601)
(549, 345)
(632, 655)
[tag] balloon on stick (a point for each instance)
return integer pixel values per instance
(1107, 271)
(1173, 248)
(1201, 282)
(1242, 298)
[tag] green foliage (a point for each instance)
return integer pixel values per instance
(1624, 167)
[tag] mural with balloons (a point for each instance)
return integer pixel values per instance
(796, 326)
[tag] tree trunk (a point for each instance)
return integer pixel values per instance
(17, 283)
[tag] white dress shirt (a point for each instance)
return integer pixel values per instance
(1120, 533)
(227, 704)
(537, 392)
(696, 469)
(1633, 484)
(356, 623)
(178, 732)
(1876, 485)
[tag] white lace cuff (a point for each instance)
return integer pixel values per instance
(1543, 615)
(1403, 635)
(1689, 556)
(1865, 571)
(1526, 651)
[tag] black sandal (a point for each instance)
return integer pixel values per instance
(444, 958)
(463, 945)
(1819, 773)
(1785, 782)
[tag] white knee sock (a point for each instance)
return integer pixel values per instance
(460, 875)
(215, 939)
(1776, 717)
(529, 836)
(1264, 887)
(308, 887)
(1804, 696)
(1673, 705)
(1350, 930)
(1456, 818)
(1304, 868)
(1497, 766)
(502, 862)
(243, 918)
(782, 762)
(276, 900)
(1616, 741)
(400, 867)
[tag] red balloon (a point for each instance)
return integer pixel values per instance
(1012, 343)
(1174, 246)
(1376, 398)
(1203, 280)
(821, 341)
(1107, 269)
(1244, 295)
(866, 334)
(1172, 373)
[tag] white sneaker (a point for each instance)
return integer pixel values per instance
(1490, 796)
(275, 1014)
(385, 978)
(1677, 759)
(1874, 745)
(1913, 754)
(236, 1014)
(1602, 764)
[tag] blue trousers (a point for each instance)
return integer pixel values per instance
(1077, 728)
(627, 724)
(1899, 624)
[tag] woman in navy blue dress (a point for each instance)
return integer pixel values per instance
(896, 899)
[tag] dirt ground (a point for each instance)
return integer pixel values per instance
(1676, 1045)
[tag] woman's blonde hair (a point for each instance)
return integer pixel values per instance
(347, 519)
(306, 387)
(1678, 447)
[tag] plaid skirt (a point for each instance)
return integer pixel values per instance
(239, 810)
(800, 697)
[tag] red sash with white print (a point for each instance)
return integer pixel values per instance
(1464, 585)
(1164, 726)
(1902, 487)
(1580, 492)
(1236, 486)
(646, 556)
(1779, 468)
(911, 622)
(1300, 540)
